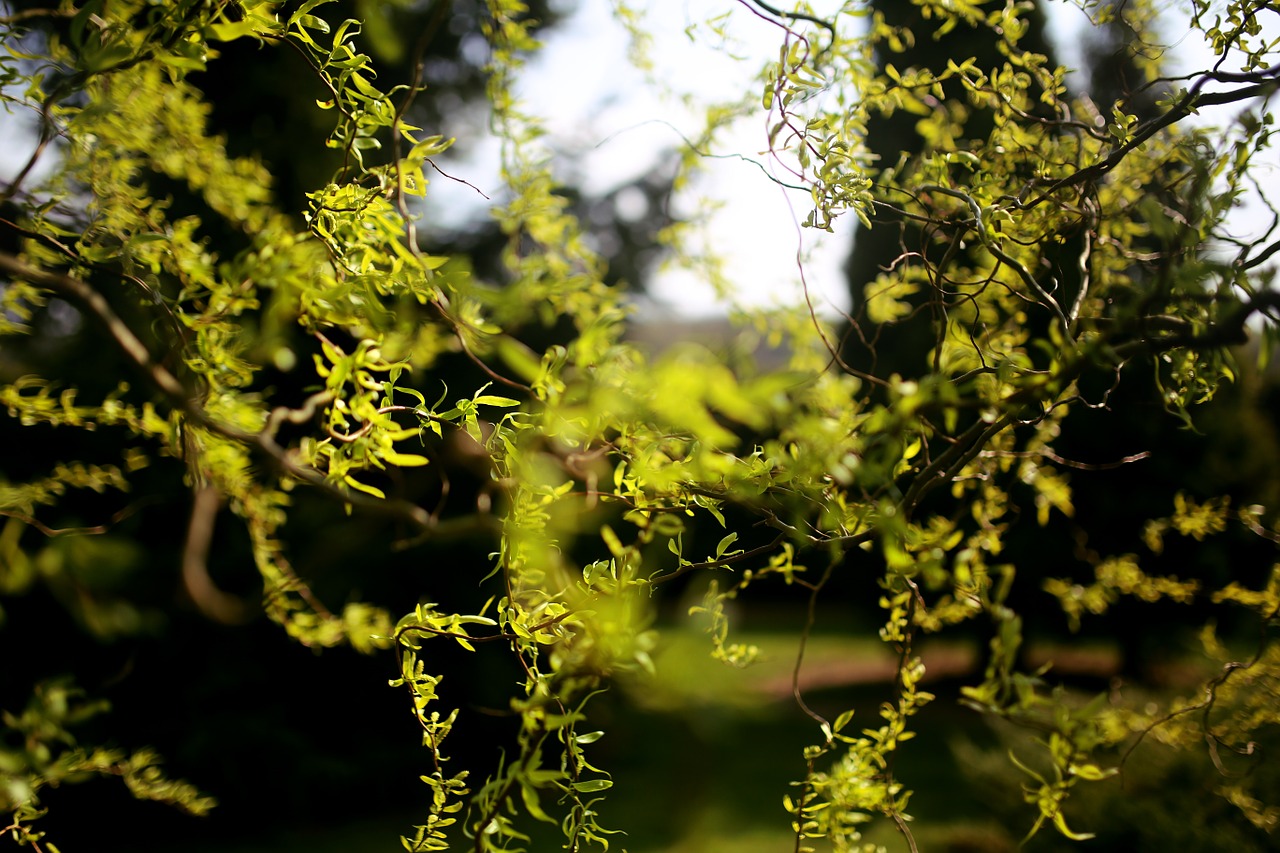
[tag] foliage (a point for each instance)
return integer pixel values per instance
(44, 753)
(607, 474)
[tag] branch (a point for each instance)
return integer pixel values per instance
(466, 348)
(1261, 258)
(398, 636)
(1228, 332)
(78, 291)
(972, 441)
(715, 564)
(989, 243)
(55, 532)
(967, 445)
(1047, 453)
(76, 81)
(28, 14)
(217, 605)
(1188, 104)
(796, 16)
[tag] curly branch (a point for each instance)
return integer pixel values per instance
(212, 602)
(1265, 84)
(181, 398)
(55, 532)
(797, 16)
(1229, 331)
(993, 247)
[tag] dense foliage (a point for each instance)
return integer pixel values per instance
(1060, 252)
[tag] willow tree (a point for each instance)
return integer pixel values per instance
(603, 471)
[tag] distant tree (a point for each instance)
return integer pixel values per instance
(234, 359)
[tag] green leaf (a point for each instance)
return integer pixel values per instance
(490, 400)
(1060, 821)
(612, 542)
(311, 22)
(303, 10)
(362, 487)
(531, 804)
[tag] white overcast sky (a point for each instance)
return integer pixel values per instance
(608, 118)
(610, 124)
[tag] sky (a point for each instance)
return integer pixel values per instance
(609, 122)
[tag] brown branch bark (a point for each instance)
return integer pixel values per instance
(80, 292)
(1187, 105)
(205, 594)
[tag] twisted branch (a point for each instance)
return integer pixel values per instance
(181, 398)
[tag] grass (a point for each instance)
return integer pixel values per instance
(702, 756)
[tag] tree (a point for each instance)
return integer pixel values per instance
(290, 372)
